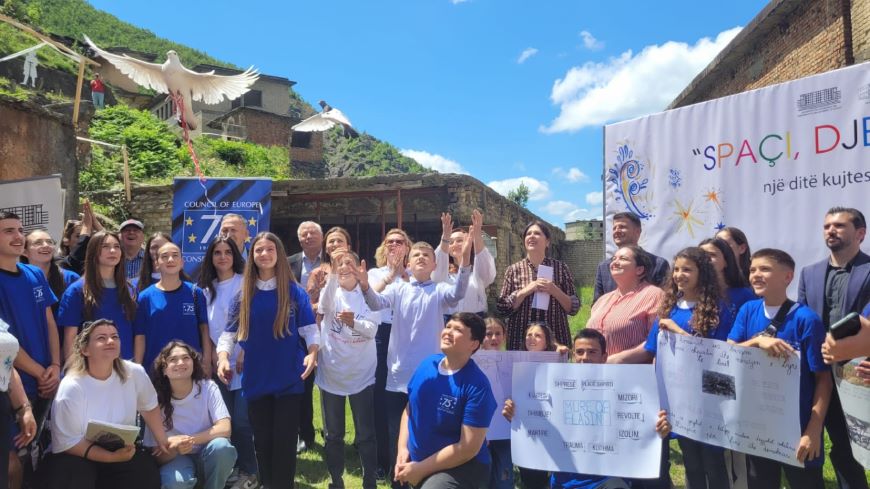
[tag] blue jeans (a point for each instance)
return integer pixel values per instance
(502, 471)
(214, 462)
(99, 99)
(243, 435)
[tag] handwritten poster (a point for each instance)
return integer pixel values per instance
(855, 398)
(498, 366)
(730, 396)
(585, 418)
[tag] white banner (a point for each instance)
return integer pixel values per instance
(731, 396)
(586, 418)
(38, 202)
(770, 161)
(855, 398)
(498, 366)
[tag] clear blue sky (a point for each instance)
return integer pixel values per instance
(500, 89)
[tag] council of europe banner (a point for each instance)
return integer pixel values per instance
(197, 212)
(769, 161)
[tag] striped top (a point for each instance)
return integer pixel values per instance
(625, 320)
(518, 276)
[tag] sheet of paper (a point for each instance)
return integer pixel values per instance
(730, 396)
(498, 367)
(855, 398)
(542, 299)
(585, 418)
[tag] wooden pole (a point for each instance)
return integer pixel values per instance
(47, 39)
(78, 99)
(126, 172)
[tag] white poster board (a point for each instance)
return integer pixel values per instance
(855, 399)
(731, 396)
(770, 161)
(37, 201)
(498, 366)
(586, 418)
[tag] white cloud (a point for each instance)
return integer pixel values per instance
(568, 211)
(572, 174)
(630, 85)
(594, 198)
(434, 161)
(589, 41)
(538, 189)
(526, 54)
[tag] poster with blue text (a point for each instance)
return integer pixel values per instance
(197, 212)
(769, 161)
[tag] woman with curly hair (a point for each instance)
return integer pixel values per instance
(196, 421)
(692, 305)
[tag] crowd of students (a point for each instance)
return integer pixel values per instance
(219, 372)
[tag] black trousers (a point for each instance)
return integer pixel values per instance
(306, 412)
(767, 474)
(705, 465)
(66, 471)
(275, 422)
(382, 432)
(850, 474)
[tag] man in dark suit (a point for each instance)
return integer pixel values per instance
(626, 232)
(833, 288)
(302, 264)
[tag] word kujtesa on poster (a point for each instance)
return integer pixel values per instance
(498, 366)
(197, 212)
(731, 396)
(584, 418)
(855, 399)
(769, 161)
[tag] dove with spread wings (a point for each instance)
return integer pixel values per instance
(182, 84)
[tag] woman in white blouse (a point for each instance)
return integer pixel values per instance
(483, 268)
(99, 386)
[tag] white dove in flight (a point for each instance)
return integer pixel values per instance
(173, 78)
(325, 120)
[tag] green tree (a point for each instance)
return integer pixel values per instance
(519, 195)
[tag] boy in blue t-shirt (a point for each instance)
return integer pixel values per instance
(450, 406)
(25, 304)
(770, 273)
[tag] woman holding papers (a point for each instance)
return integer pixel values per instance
(196, 421)
(692, 305)
(99, 386)
(537, 288)
(626, 315)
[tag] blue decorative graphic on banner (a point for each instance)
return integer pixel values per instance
(196, 221)
(630, 180)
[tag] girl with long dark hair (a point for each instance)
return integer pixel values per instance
(221, 281)
(739, 245)
(102, 293)
(148, 274)
(195, 418)
(268, 319)
(732, 283)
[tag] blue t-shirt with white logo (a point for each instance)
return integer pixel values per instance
(163, 316)
(24, 296)
(72, 313)
(440, 404)
(804, 331)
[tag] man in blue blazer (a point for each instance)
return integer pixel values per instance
(833, 288)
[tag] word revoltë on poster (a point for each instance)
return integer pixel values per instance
(731, 396)
(586, 418)
(196, 216)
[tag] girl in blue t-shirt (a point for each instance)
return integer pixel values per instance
(171, 309)
(148, 274)
(40, 251)
(733, 285)
(270, 318)
(692, 305)
(103, 293)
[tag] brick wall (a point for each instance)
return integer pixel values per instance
(266, 129)
(582, 257)
(789, 39)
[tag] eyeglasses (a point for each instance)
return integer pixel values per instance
(395, 241)
(43, 242)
